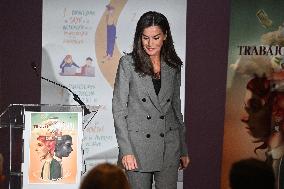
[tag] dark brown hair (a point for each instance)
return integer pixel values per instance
(168, 54)
(105, 176)
(251, 173)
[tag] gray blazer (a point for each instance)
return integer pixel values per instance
(148, 126)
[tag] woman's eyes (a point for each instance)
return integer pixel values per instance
(147, 38)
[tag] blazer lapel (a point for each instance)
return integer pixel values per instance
(166, 79)
(149, 87)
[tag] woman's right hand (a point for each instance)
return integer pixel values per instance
(129, 162)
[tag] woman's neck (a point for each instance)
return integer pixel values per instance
(155, 60)
(156, 65)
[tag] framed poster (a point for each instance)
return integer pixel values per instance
(52, 150)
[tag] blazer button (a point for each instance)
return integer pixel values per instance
(148, 135)
(168, 100)
(148, 117)
(162, 117)
(162, 135)
(144, 99)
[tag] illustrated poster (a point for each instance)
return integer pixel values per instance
(254, 114)
(53, 153)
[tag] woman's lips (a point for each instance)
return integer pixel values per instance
(150, 49)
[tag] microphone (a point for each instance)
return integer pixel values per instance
(75, 96)
(34, 67)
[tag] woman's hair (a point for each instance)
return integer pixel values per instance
(259, 109)
(60, 141)
(105, 176)
(168, 54)
(67, 56)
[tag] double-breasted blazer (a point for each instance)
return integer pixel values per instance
(147, 125)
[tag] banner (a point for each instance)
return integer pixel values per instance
(254, 103)
(82, 42)
(52, 149)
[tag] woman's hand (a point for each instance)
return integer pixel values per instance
(129, 162)
(184, 162)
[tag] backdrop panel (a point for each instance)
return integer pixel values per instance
(254, 82)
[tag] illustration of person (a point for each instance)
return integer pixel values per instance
(88, 69)
(68, 63)
(45, 149)
(276, 140)
(111, 31)
(265, 123)
(63, 148)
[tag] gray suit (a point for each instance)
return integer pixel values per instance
(148, 126)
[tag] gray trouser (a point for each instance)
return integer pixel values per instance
(164, 179)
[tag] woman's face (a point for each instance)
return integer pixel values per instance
(152, 40)
(42, 150)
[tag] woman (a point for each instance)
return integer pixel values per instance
(45, 150)
(146, 107)
(67, 62)
(111, 31)
(63, 148)
(105, 176)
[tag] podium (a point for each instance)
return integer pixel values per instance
(40, 146)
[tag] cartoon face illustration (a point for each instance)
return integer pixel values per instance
(66, 148)
(89, 61)
(44, 148)
(68, 59)
(63, 146)
(41, 150)
(110, 8)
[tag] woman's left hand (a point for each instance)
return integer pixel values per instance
(184, 162)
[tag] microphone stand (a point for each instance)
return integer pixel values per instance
(75, 96)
